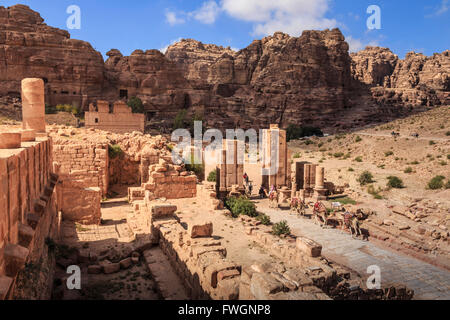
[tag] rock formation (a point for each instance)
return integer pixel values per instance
(310, 80)
(29, 48)
(416, 80)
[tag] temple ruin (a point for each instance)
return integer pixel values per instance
(54, 183)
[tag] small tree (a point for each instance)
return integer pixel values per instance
(365, 178)
(136, 105)
(212, 176)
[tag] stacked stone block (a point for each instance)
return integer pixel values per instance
(121, 120)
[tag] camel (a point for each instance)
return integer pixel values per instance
(298, 206)
(321, 213)
(273, 200)
(351, 222)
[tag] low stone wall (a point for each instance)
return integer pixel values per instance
(201, 262)
(82, 205)
(170, 182)
(29, 217)
(309, 272)
(85, 164)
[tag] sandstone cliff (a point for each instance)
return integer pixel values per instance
(310, 80)
(417, 80)
(30, 48)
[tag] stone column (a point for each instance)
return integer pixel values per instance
(319, 190)
(320, 177)
(33, 104)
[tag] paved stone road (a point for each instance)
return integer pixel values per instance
(427, 281)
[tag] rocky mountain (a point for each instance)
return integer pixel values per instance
(417, 80)
(309, 80)
(29, 48)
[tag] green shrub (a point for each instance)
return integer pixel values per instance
(68, 108)
(136, 105)
(447, 133)
(338, 155)
(415, 162)
(431, 143)
(443, 163)
(388, 153)
(114, 151)
(264, 219)
(408, 170)
(351, 169)
(365, 178)
(358, 159)
(436, 183)
(212, 176)
(297, 155)
(308, 142)
(447, 185)
(281, 228)
(358, 139)
(241, 206)
(395, 182)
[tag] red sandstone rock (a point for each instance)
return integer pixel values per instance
(310, 247)
(200, 229)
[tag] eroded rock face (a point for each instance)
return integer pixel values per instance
(417, 80)
(29, 48)
(374, 65)
(418, 70)
(309, 80)
(279, 79)
(149, 75)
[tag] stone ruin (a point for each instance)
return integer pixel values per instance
(308, 181)
(43, 184)
(121, 120)
(28, 203)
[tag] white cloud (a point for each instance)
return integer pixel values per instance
(440, 10)
(173, 19)
(267, 16)
(164, 49)
(358, 44)
(355, 44)
(290, 16)
(208, 13)
(443, 8)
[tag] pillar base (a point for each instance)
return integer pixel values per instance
(320, 194)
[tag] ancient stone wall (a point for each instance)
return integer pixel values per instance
(86, 165)
(121, 120)
(28, 212)
(197, 257)
(83, 170)
(170, 181)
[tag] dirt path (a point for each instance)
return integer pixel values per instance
(402, 136)
(427, 281)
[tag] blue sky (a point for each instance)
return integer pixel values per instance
(406, 25)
